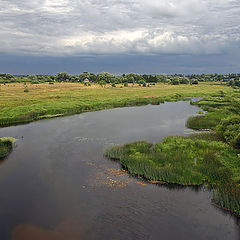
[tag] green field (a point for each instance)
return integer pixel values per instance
(51, 100)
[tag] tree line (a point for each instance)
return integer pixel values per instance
(232, 79)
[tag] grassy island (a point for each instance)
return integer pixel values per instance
(209, 158)
(6, 145)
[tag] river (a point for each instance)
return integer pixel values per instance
(56, 184)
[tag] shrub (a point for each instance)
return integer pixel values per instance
(229, 128)
(194, 82)
(35, 82)
(175, 82)
(184, 81)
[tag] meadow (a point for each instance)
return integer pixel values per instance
(26, 102)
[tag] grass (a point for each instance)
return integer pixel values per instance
(218, 108)
(180, 160)
(47, 101)
(186, 161)
(211, 158)
(6, 145)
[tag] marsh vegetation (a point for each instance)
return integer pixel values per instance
(6, 145)
(210, 158)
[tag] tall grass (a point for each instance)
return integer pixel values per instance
(185, 161)
(202, 122)
(202, 158)
(228, 196)
(6, 145)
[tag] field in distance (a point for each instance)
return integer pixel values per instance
(21, 102)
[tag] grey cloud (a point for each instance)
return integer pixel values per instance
(89, 27)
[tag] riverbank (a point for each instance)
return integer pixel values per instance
(6, 145)
(43, 101)
(211, 159)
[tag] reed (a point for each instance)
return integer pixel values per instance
(185, 161)
(6, 145)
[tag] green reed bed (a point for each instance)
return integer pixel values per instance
(211, 158)
(228, 197)
(6, 145)
(178, 160)
(185, 161)
(217, 107)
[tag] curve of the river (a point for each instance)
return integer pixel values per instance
(56, 184)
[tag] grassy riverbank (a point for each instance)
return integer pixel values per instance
(52, 100)
(208, 158)
(6, 145)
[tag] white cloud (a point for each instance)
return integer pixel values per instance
(88, 27)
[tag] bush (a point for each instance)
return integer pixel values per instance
(202, 122)
(184, 81)
(175, 82)
(229, 129)
(6, 145)
(26, 90)
(35, 82)
(236, 141)
(194, 82)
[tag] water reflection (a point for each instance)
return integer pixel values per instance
(57, 185)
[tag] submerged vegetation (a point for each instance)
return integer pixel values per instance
(210, 158)
(6, 145)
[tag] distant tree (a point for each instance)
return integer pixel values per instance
(175, 81)
(102, 83)
(184, 80)
(107, 77)
(61, 77)
(83, 76)
(194, 81)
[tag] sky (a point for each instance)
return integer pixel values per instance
(119, 36)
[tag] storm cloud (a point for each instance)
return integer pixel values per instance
(150, 35)
(92, 27)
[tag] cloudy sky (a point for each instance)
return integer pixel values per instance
(151, 36)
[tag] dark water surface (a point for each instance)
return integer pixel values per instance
(56, 184)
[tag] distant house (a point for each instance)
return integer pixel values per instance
(86, 80)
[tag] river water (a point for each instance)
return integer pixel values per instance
(56, 184)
